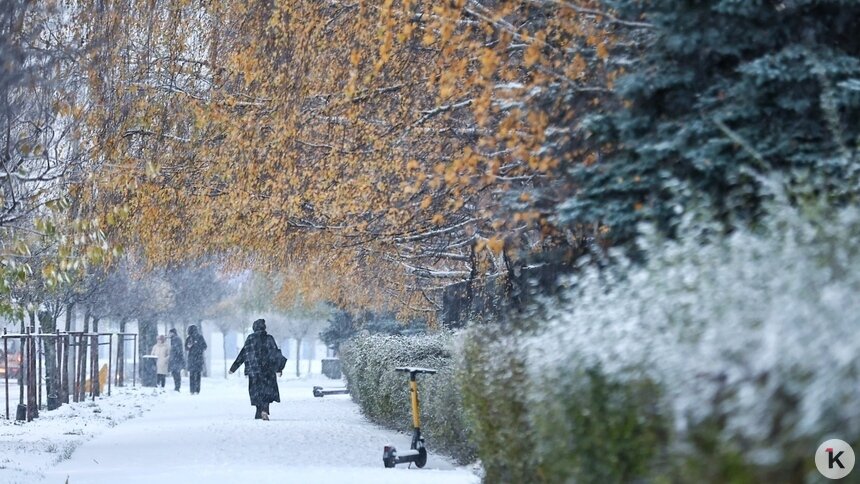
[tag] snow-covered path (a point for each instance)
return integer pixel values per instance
(212, 438)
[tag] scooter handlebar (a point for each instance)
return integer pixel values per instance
(410, 369)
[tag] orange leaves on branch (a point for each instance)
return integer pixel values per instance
(489, 62)
(357, 137)
(495, 245)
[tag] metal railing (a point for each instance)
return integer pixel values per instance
(63, 363)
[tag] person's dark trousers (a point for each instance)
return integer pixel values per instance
(194, 381)
(161, 380)
(177, 379)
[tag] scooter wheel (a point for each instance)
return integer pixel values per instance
(421, 461)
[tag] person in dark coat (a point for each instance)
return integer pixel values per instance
(176, 360)
(195, 345)
(260, 355)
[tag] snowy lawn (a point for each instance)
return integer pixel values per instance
(213, 438)
(28, 450)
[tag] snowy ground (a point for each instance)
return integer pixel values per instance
(213, 438)
(28, 450)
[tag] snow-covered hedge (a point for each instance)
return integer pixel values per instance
(383, 394)
(721, 359)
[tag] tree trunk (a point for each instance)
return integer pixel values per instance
(224, 348)
(67, 364)
(94, 357)
(83, 344)
(120, 355)
(21, 367)
(147, 334)
(298, 356)
(70, 315)
(33, 384)
(82, 356)
(49, 347)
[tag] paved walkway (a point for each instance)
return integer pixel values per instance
(212, 438)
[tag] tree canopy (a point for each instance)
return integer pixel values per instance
(375, 153)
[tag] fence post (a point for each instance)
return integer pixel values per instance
(6, 370)
(37, 368)
(134, 363)
(80, 357)
(120, 359)
(64, 370)
(110, 351)
(31, 375)
(21, 410)
(93, 371)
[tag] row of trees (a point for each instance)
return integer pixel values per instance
(410, 156)
(396, 155)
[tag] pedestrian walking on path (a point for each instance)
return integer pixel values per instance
(195, 345)
(162, 351)
(263, 362)
(176, 362)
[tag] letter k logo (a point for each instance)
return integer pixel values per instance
(834, 459)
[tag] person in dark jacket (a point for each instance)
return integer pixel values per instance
(195, 345)
(176, 360)
(261, 355)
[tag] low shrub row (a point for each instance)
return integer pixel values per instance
(567, 425)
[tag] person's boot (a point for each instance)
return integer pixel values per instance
(265, 413)
(258, 415)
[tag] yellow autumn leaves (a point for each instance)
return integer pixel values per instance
(371, 138)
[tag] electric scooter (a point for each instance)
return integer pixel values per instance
(321, 392)
(417, 453)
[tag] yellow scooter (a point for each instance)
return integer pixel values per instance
(417, 453)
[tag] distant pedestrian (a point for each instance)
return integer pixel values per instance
(176, 362)
(263, 360)
(195, 345)
(162, 351)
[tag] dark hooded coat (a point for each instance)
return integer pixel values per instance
(176, 361)
(195, 345)
(258, 355)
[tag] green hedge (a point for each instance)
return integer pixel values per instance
(559, 427)
(383, 394)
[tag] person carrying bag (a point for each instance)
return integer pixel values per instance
(263, 362)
